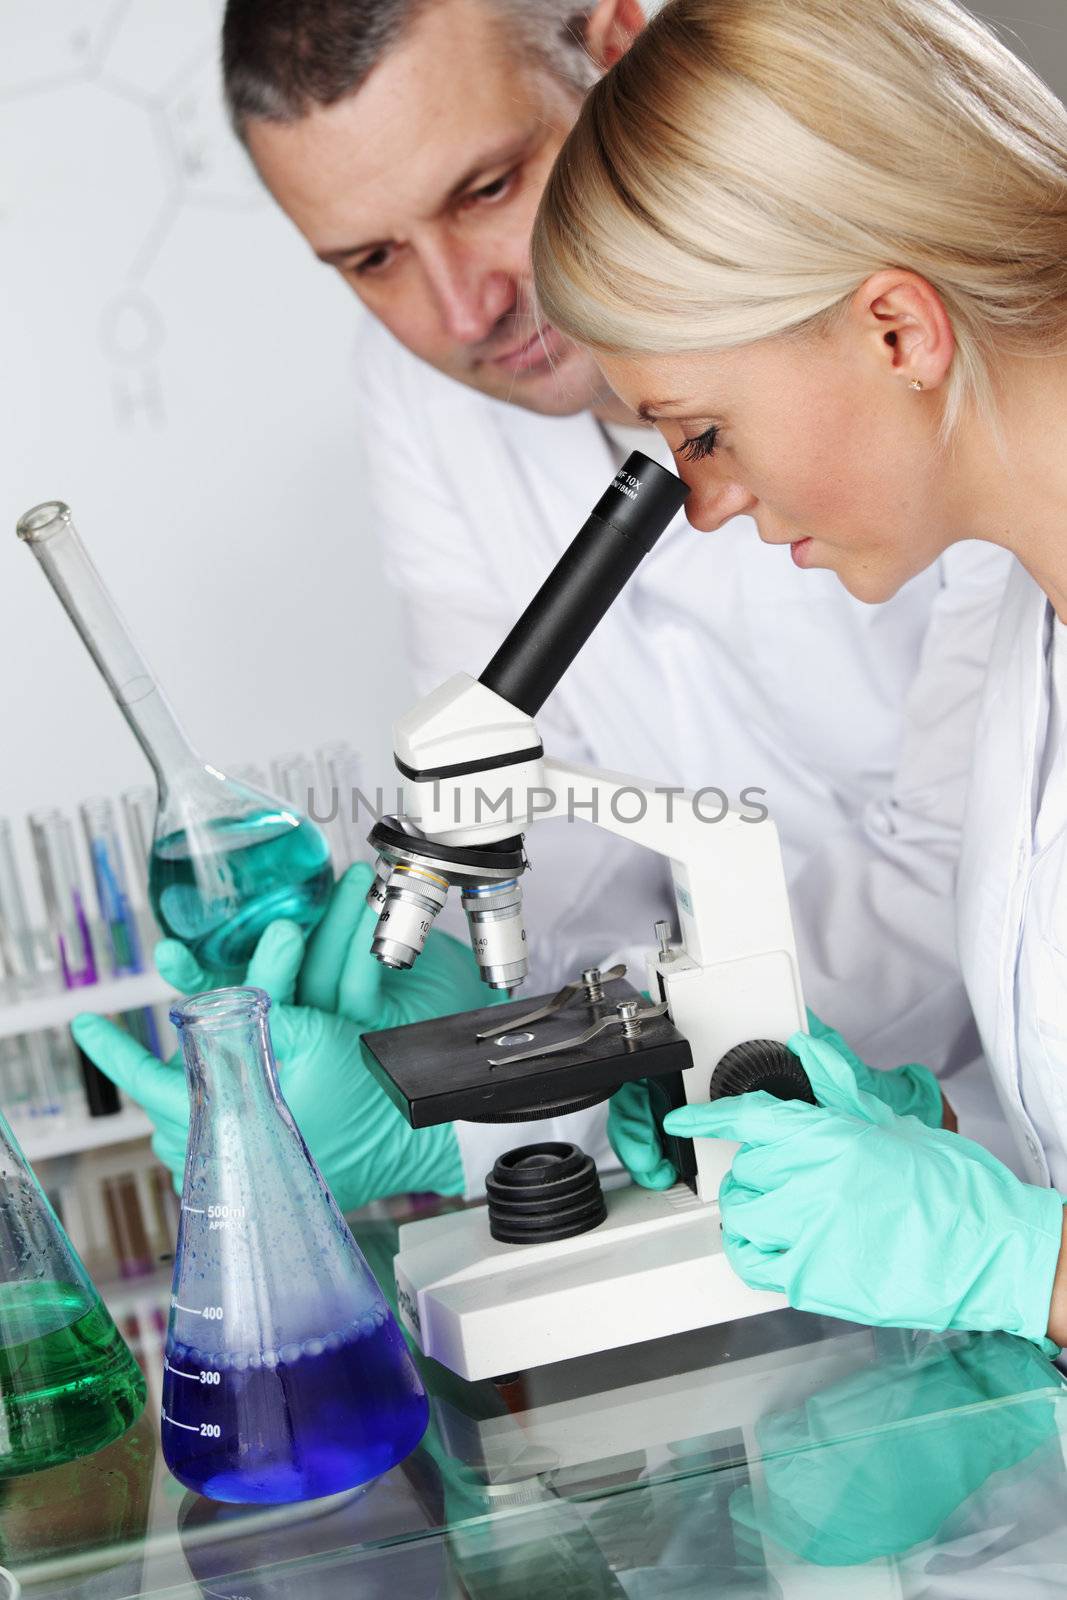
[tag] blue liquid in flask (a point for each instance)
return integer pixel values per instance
(286, 1376)
(217, 891)
(307, 1420)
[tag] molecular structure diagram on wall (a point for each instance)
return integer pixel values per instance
(161, 58)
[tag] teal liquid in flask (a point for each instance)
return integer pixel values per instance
(285, 1375)
(225, 859)
(68, 1383)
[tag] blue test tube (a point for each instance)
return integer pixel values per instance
(116, 911)
(109, 876)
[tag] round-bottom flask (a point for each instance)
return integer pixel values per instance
(225, 859)
(286, 1376)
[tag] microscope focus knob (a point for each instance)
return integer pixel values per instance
(761, 1064)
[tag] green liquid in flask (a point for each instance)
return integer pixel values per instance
(66, 1389)
(240, 873)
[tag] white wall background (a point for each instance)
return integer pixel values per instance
(178, 367)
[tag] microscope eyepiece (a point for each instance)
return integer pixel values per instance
(642, 499)
(414, 870)
(624, 526)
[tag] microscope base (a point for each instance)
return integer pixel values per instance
(653, 1268)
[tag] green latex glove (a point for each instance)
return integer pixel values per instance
(361, 1143)
(340, 974)
(875, 1464)
(850, 1210)
(634, 1135)
(910, 1091)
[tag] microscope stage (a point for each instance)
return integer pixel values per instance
(437, 1071)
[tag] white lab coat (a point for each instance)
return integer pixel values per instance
(1013, 888)
(720, 664)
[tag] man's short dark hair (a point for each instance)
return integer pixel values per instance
(281, 58)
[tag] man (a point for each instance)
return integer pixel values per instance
(409, 141)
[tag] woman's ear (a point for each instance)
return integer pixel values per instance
(906, 327)
(611, 29)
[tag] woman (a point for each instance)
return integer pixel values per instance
(822, 244)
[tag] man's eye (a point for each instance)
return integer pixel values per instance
(700, 446)
(372, 263)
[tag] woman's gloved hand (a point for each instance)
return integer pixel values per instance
(363, 1146)
(909, 1091)
(853, 1211)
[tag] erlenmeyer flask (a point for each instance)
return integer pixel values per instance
(286, 1376)
(226, 859)
(68, 1383)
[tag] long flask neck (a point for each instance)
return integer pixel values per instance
(68, 568)
(231, 1073)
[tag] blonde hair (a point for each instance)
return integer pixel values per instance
(749, 163)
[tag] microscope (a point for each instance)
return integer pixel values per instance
(551, 1267)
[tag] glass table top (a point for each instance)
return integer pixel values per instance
(783, 1455)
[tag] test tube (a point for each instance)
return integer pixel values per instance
(112, 894)
(101, 1097)
(165, 1208)
(53, 846)
(126, 1225)
(293, 777)
(18, 957)
(16, 1092)
(139, 810)
(139, 813)
(341, 771)
(116, 912)
(46, 1097)
(251, 775)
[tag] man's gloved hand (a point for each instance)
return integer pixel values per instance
(910, 1091)
(850, 1210)
(634, 1136)
(876, 1464)
(340, 974)
(363, 1146)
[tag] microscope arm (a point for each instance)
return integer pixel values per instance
(719, 858)
(735, 977)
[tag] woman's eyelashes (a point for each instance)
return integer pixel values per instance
(700, 445)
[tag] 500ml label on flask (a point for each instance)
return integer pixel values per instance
(225, 1217)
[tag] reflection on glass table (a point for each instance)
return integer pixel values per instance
(784, 1456)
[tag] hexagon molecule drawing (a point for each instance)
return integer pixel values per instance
(139, 79)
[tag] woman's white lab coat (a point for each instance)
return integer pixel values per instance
(1013, 888)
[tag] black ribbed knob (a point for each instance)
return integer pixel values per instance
(540, 1192)
(761, 1064)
